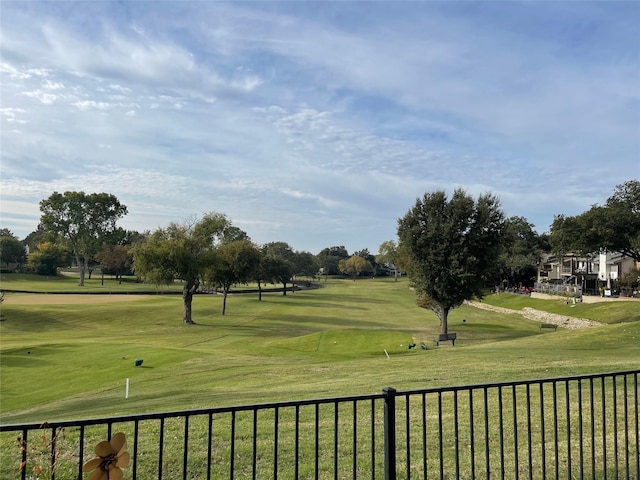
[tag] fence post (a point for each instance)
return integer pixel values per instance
(389, 433)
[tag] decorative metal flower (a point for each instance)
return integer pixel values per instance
(112, 457)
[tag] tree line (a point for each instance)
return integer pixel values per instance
(452, 248)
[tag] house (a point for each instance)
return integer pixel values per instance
(589, 272)
(611, 267)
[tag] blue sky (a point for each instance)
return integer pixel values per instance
(317, 123)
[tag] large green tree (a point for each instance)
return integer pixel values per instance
(11, 250)
(452, 246)
(233, 263)
(614, 226)
(181, 252)
(83, 220)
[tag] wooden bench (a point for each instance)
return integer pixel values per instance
(551, 326)
(445, 337)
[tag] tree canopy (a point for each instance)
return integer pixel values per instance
(46, 257)
(11, 250)
(181, 252)
(233, 263)
(521, 252)
(452, 246)
(388, 255)
(115, 260)
(278, 263)
(355, 265)
(83, 220)
(328, 259)
(614, 226)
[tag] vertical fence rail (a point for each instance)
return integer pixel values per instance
(389, 433)
(571, 427)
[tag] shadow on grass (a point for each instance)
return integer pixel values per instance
(26, 358)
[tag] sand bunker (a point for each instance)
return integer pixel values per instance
(67, 299)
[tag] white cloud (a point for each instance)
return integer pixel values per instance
(310, 129)
(91, 104)
(43, 97)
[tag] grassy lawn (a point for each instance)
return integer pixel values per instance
(67, 282)
(68, 356)
(604, 312)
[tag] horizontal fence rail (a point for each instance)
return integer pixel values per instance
(579, 427)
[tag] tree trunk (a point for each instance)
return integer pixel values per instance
(187, 296)
(284, 290)
(225, 290)
(443, 315)
(259, 291)
(81, 269)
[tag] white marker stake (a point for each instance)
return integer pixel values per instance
(126, 391)
(388, 357)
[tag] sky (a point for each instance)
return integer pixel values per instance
(316, 123)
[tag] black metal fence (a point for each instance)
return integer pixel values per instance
(571, 427)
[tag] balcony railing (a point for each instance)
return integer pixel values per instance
(554, 289)
(571, 427)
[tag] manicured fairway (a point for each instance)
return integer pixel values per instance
(68, 356)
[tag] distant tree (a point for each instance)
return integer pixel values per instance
(305, 264)
(282, 270)
(115, 260)
(630, 281)
(11, 250)
(234, 234)
(328, 259)
(5, 232)
(614, 226)
(276, 270)
(521, 252)
(260, 274)
(364, 253)
(452, 246)
(38, 236)
(84, 221)
(388, 255)
(46, 258)
(233, 263)
(280, 250)
(354, 266)
(181, 252)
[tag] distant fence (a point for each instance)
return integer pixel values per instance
(554, 289)
(571, 427)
